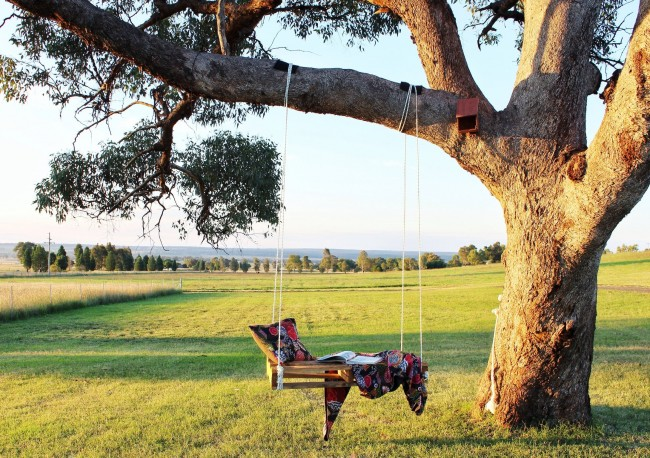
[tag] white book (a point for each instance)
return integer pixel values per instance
(349, 357)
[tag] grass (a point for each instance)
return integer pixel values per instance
(25, 299)
(180, 375)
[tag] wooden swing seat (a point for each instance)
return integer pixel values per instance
(313, 374)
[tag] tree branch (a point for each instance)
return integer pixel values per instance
(555, 74)
(618, 159)
(435, 34)
(108, 115)
(221, 29)
(123, 200)
(237, 79)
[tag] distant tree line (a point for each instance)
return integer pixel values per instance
(100, 257)
(467, 255)
(110, 258)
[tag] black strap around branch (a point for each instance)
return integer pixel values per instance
(414, 89)
(284, 66)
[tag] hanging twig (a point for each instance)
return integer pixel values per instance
(221, 28)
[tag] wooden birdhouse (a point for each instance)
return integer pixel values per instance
(467, 115)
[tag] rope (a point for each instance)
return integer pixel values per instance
(405, 112)
(280, 249)
(491, 405)
(278, 253)
(420, 266)
(402, 124)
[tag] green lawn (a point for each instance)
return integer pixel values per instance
(180, 375)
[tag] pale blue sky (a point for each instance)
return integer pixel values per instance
(344, 187)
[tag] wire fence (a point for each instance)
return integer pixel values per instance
(19, 300)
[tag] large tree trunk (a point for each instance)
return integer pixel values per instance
(545, 325)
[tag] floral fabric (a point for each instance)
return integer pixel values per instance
(334, 398)
(291, 348)
(396, 369)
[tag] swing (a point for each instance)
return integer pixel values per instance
(309, 373)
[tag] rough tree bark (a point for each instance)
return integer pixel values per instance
(561, 198)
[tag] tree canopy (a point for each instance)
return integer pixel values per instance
(218, 195)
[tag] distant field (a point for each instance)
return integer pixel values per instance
(9, 265)
(24, 299)
(180, 375)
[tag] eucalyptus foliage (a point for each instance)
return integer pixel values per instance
(225, 183)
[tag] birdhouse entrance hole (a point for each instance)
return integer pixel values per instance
(467, 115)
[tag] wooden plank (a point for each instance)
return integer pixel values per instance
(306, 385)
(309, 365)
(343, 377)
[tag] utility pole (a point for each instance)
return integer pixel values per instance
(49, 242)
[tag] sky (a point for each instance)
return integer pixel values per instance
(344, 177)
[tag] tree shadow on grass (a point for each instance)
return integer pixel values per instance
(618, 428)
(197, 358)
(203, 357)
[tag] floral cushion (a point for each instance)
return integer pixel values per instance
(291, 348)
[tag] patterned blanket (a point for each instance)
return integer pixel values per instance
(396, 369)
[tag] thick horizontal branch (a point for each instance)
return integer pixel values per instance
(238, 79)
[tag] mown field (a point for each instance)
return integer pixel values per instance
(180, 375)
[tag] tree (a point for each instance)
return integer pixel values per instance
(23, 252)
(561, 197)
(266, 265)
(627, 248)
(454, 261)
(256, 265)
(306, 264)
(110, 263)
(409, 264)
(234, 265)
(364, 262)
(432, 261)
(89, 259)
(39, 259)
(293, 263)
(174, 266)
(346, 265)
(61, 259)
(99, 253)
(463, 254)
(139, 264)
(159, 264)
(222, 264)
(326, 260)
(79, 257)
(493, 252)
(151, 263)
(244, 265)
(475, 257)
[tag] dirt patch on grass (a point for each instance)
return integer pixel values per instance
(629, 288)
